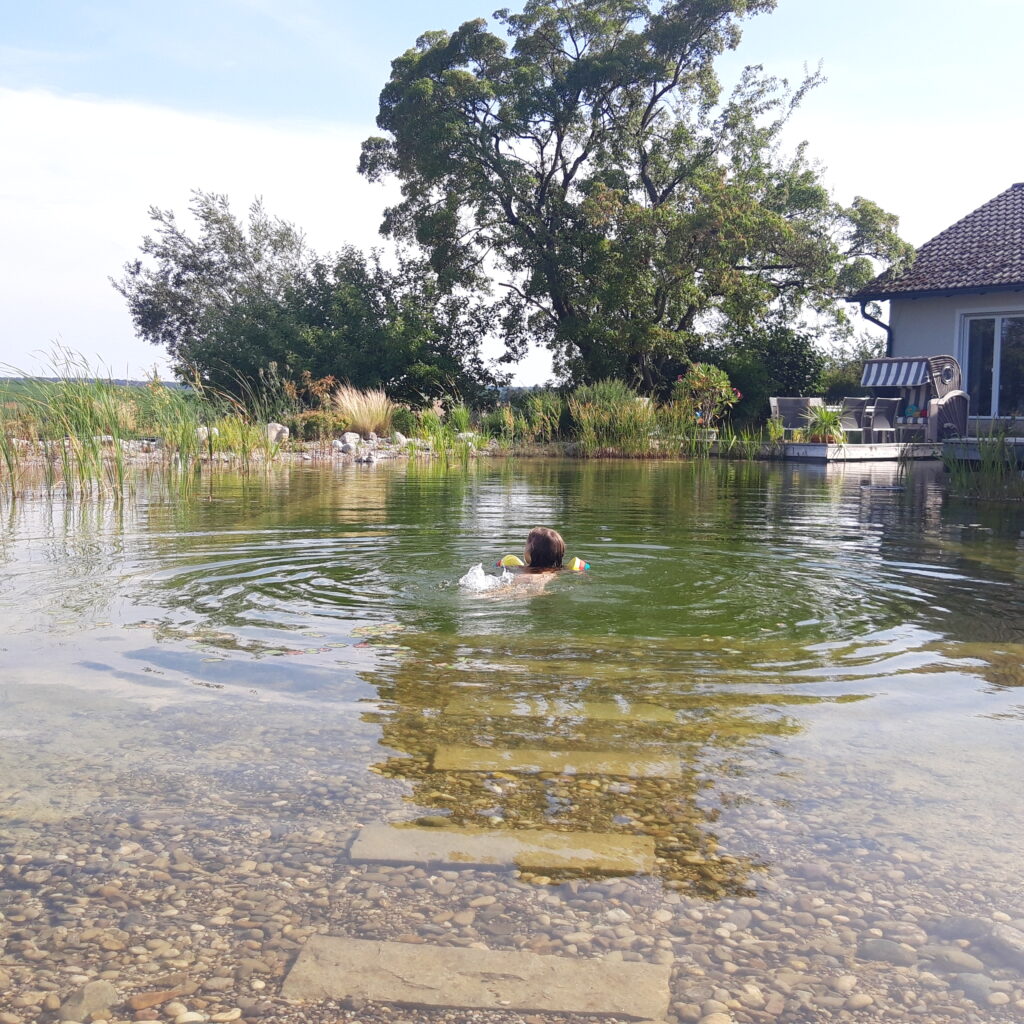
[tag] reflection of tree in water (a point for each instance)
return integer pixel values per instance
(514, 694)
(999, 664)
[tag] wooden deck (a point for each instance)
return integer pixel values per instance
(892, 452)
(794, 451)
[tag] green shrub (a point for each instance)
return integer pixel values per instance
(770, 360)
(315, 425)
(403, 419)
(706, 389)
(841, 374)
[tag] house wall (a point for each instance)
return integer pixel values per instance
(934, 327)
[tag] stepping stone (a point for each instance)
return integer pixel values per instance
(530, 850)
(330, 967)
(543, 707)
(562, 762)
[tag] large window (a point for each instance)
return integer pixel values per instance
(995, 365)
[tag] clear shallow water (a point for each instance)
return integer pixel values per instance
(828, 661)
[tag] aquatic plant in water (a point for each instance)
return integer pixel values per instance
(995, 476)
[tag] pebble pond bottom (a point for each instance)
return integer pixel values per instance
(790, 695)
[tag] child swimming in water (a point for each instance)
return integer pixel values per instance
(543, 554)
(544, 551)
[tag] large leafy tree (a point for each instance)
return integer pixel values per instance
(240, 303)
(587, 160)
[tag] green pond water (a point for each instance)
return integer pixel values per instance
(791, 679)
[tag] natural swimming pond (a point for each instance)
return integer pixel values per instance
(771, 741)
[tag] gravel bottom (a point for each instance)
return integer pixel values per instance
(195, 912)
(168, 862)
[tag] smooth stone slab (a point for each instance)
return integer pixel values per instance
(546, 707)
(564, 762)
(535, 851)
(330, 967)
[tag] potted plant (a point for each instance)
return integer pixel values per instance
(824, 425)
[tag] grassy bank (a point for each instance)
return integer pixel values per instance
(76, 431)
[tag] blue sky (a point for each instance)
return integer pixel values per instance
(108, 106)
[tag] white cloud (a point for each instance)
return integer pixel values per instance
(928, 170)
(77, 176)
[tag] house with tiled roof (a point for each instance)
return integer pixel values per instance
(964, 295)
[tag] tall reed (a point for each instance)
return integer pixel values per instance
(609, 417)
(544, 411)
(506, 426)
(77, 429)
(740, 444)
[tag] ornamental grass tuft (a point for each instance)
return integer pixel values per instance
(364, 411)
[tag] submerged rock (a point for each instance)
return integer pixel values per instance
(95, 997)
(887, 951)
(1008, 942)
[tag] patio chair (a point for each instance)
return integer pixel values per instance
(851, 416)
(883, 419)
(792, 412)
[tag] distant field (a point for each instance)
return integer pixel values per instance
(11, 385)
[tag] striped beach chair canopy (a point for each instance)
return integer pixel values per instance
(895, 373)
(941, 374)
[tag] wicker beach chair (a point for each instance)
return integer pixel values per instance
(930, 401)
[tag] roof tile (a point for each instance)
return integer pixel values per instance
(983, 250)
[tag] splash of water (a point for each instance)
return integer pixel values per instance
(477, 580)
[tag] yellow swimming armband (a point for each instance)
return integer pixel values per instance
(575, 564)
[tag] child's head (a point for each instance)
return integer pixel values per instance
(545, 549)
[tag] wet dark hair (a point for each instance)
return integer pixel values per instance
(545, 549)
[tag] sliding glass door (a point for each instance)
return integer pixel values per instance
(995, 365)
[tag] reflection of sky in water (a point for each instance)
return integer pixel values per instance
(797, 637)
